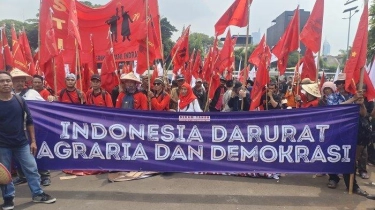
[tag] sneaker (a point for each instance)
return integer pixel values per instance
(332, 184)
(43, 198)
(46, 181)
(361, 192)
(8, 204)
(19, 180)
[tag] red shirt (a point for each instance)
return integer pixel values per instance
(140, 101)
(103, 98)
(69, 96)
(161, 102)
(44, 93)
(313, 103)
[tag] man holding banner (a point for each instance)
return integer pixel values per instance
(15, 116)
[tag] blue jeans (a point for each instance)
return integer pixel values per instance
(28, 165)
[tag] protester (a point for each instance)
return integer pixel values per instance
(187, 100)
(98, 96)
(131, 97)
(175, 92)
(271, 100)
(14, 143)
(227, 95)
(38, 82)
(312, 93)
(240, 98)
(328, 88)
(200, 93)
(71, 94)
(159, 98)
(216, 104)
(19, 79)
(344, 97)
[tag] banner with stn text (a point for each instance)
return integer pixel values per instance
(314, 140)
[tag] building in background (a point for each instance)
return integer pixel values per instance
(275, 32)
(326, 48)
(256, 37)
(241, 40)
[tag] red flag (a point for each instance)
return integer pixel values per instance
(2, 58)
(262, 79)
(357, 57)
(241, 76)
(224, 58)
(48, 48)
(322, 81)
(370, 93)
(24, 42)
(287, 43)
(73, 23)
(180, 51)
(236, 15)
(48, 70)
(207, 66)
(215, 83)
(309, 66)
(311, 35)
(197, 68)
(93, 56)
(153, 47)
(108, 75)
(6, 50)
(18, 58)
(258, 52)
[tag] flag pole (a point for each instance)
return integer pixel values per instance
(247, 43)
(148, 56)
(2, 47)
(113, 55)
(209, 89)
(174, 56)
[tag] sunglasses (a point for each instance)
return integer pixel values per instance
(157, 83)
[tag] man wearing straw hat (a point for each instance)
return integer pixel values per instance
(19, 79)
(15, 116)
(130, 97)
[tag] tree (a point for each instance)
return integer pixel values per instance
(167, 29)
(371, 33)
(88, 3)
(199, 41)
(31, 29)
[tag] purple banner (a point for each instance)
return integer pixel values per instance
(314, 140)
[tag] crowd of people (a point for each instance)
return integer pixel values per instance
(162, 95)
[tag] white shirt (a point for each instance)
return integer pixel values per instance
(32, 95)
(192, 107)
(226, 98)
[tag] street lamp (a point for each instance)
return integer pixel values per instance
(349, 17)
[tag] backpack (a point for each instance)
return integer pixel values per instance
(79, 93)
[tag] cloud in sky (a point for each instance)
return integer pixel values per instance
(203, 14)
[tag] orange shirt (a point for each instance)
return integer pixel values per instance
(140, 101)
(44, 93)
(290, 97)
(69, 96)
(99, 99)
(160, 103)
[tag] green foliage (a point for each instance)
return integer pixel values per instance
(31, 28)
(199, 41)
(167, 30)
(371, 33)
(88, 3)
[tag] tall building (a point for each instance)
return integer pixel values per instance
(275, 32)
(256, 37)
(326, 48)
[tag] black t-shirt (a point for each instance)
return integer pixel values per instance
(12, 133)
(270, 107)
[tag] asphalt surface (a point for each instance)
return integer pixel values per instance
(198, 192)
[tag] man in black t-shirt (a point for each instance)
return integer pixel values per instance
(271, 100)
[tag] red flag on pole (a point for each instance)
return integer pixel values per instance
(24, 42)
(6, 50)
(180, 51)
(287, 43)
(258, 52)
(262, 79)
(73, 23)
(48, 48)
(309, 66)
(311, 34)
(18, 58)
(108, 74)
(236, 15)
(197, 67)
(224, 58)
(48, 69)
(357, 57)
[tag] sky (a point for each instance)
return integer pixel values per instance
(203, 14)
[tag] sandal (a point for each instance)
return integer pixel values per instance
(332, 184)
(364, 175)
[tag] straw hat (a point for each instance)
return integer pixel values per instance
(18, 73)
(130, 76)
(340, 77)
(306, 81)
(5, 177)
(312, 89)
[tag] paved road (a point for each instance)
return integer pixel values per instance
(198, 192)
